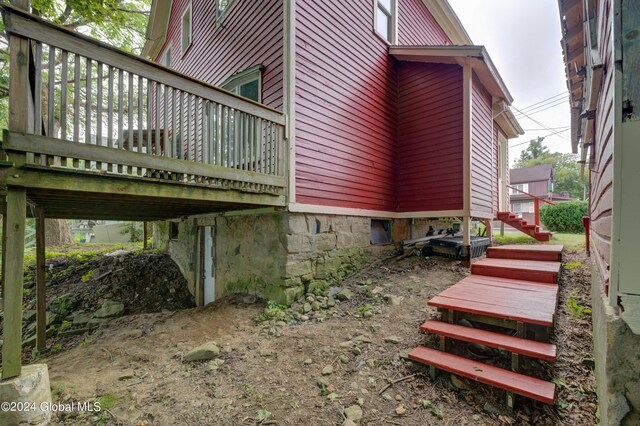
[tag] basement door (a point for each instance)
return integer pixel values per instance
(208, 262)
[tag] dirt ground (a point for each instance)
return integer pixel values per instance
(273, 372)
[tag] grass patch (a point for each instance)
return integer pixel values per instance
(107, 401)
(571, 242)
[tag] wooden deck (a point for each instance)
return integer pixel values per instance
(95, 132)
(513, 290)
(104, 134)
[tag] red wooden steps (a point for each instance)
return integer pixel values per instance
(518, 269)
(531, 348)
(551, 253)
(532, 230)
(520, 384)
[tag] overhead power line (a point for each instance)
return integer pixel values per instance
(543, 136)
(542, 108)
(545, 100)
(540, 124)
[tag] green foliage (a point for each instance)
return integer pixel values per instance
(86, 277)
(134, 229)
(364, 309)
(274, 311)
(262, 415)
(569, 266)
(535, 151)
(566, 170)
(118, 22)
(576, 309)
(564, 217)
(107, 401)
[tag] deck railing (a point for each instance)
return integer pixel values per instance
(98, 109)
(536, 204)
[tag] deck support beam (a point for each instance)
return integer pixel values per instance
(41, 292)
(13, 281)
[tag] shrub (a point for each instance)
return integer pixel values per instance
(564, 217)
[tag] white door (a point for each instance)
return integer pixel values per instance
(209, 264)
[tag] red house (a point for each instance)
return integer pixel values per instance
(394, 119)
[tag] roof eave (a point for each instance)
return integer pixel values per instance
(448, 20)
(509, 124)
(157, 28)
(476, 56)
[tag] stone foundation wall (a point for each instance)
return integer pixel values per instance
(617, 357)
(182, 249)
(322, 250)
(277, 255)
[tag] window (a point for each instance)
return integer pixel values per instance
(166, 57)
(247, 83)
(186, 28)
(521, 186)
(223, 6)
(385, 19)
(526, 207)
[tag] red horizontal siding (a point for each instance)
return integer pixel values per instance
(416, 25)
(220, 50)
(601, 179)
(346, 97)
(429, 137)
(484, 158)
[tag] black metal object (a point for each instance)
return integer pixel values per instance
(453, 247)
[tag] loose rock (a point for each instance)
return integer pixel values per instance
(327, 370)
(393, 339)
(203, 352)
(353, 413)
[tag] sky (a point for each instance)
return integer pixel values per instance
(523, 41)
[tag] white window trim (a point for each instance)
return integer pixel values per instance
(220, 16)
(521, 186)
(243, 77)
(394, 22)
(189, 10)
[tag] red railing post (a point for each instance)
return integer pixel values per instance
(586, 222)
(536, 211)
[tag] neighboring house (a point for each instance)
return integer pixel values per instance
(535, 181)
(602, 52)
(393, 117)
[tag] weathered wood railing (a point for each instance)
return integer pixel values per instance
(98, 109)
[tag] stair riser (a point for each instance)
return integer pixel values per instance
(503, 254)
(516, 274)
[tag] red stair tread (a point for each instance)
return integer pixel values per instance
(527, 252)
(523, 285)
(520, 384)
(534, 270)
(516, 345)
(524, 314)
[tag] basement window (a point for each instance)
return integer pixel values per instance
(174, 230)
(384, 19)
(186, 32)
(380, 231)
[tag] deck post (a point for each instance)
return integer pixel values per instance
(4, 253)
(41, 292)
(14, 268)
(466, 241)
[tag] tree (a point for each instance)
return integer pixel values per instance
(566, 171)
(536, 153)
(121, 23)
